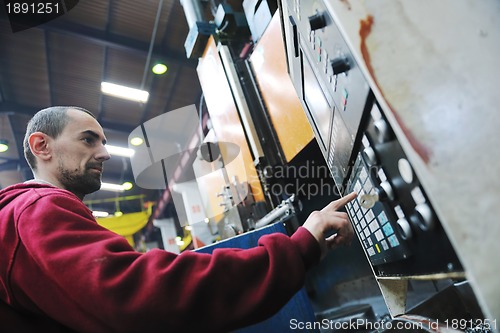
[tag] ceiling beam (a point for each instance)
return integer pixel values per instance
(23, 166)
(49, 66)
(10, 165)
(114, 41)
(15, 108)
(100, 109)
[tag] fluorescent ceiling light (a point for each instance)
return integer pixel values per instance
(159, 69)
(116, 187)
(98, 213)
(136, 141)
(120, 151)
(124, 92)
(4, 146)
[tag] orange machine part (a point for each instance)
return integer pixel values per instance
(225, 119)
(283, 105)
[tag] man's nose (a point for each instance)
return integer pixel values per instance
(102, 154)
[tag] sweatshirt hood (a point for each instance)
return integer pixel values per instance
(9, 193)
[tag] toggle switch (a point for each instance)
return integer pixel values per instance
(317, 21)
(340, 65)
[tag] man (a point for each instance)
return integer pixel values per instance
(56, 262)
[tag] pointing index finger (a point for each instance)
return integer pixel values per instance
(343, 201)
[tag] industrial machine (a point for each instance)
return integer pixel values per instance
(368, 139)
(392, 215)
(334, 89)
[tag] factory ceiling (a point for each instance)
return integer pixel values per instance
(64, 61)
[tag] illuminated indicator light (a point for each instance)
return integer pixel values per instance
(345, 93)
(378, 249)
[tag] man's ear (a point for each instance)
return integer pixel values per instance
(39, 145)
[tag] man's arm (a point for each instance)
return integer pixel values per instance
(89, 278)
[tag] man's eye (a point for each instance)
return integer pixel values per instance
(88, 140)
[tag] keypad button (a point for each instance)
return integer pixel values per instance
(382, 217)
(387, 228)
(393, 241)
(363, 175)
(367, 232)
(374, 225)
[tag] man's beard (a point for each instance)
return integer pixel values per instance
(80, 184)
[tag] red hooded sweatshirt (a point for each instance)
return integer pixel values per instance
(57, 262)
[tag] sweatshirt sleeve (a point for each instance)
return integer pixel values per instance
(92, 280)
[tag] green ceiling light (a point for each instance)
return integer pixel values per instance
(4, 145)
(127, 186)
(136, 141)
(159, 69)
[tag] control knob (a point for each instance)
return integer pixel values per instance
(385, 191)
(317, 21)
(404, 228)
(383, 130)
(340, 65)
(423, 217)
(405, 170)
(370, 156)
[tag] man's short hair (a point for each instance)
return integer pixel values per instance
(50, 121)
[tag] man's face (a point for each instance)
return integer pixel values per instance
(79, 153)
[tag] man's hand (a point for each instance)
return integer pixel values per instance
(328, 220)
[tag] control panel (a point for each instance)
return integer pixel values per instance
(329, 82)
(392, 215)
